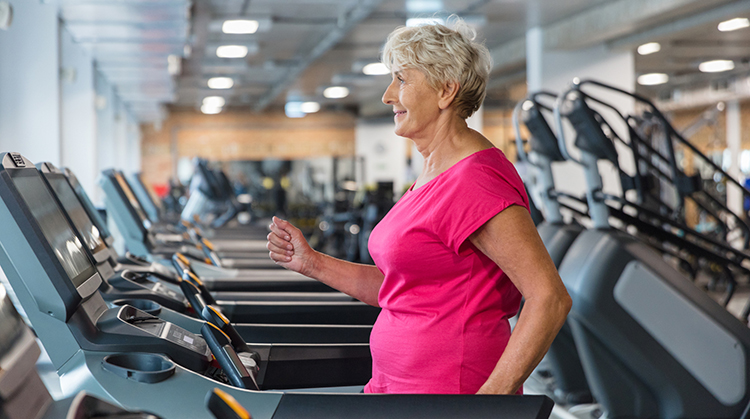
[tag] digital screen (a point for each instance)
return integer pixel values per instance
(55, 227)
(87, 205)
(131, 197)
(76, 212)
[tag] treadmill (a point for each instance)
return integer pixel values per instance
(562, 357)
(252, 307)
(144, 238)
(142, 362)
(651, 343)
(140, 241)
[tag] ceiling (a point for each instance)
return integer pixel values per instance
(304, 46)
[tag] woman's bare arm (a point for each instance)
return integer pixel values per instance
(511, 240)
(288, 248)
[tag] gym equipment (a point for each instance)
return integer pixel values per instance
(56, 283)
(270, 308)
(557, 236)
(651, 343)
(142, 237)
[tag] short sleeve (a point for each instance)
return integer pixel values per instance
(473, 195)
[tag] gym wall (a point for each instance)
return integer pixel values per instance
(242, 136)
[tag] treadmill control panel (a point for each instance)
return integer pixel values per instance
(162, 290)
(184, 338)
(164, 330)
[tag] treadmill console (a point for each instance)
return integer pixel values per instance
(162, 329)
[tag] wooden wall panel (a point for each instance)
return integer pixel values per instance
(242, 136)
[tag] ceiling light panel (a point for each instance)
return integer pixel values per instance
(310, 107)
(240, 27)
(220, 83)
(375, 69)
(420, 21)
(214, 101)
(210, 110)
(649, 48)
(734, 24)
(652, 79)
(237, 27)
(336, 92)
(716, 66)
(231, 51)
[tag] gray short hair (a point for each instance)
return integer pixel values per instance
(444, 54)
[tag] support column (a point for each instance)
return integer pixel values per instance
(734, 143)
(534, 59)
(29, 82)
(384, 153)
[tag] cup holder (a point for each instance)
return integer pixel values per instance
(148, 306)
(141, 367)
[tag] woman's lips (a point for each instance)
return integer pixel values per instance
(400, 113)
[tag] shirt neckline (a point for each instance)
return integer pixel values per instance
(431, 181)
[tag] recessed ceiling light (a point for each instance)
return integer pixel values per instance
(240, 27)
(231, 51)
(420, 21)
(734, 24)
(652, 79)
(214, 101)
(375, 69)
(210, 110)
(716, 66)
(294, 110)
(424, 6)
(336, 92)
(310, 107)
(220, 83)
(649, 48)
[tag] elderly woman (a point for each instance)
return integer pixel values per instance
(458, 251)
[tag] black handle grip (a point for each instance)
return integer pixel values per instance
(205, 293)
(226, 356)
(181, 263)
(214, 316)
(193, 295)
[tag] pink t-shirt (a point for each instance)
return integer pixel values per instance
(446, 305)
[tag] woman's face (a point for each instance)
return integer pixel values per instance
(414, 102)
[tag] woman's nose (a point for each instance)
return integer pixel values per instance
(388, 96)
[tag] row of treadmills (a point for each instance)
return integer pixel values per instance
(189, 323)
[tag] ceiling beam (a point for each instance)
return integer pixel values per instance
(358, 13)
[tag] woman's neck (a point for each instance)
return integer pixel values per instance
(451, 142)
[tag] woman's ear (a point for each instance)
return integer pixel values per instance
(447, 93)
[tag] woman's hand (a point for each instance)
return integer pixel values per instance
(288, 248)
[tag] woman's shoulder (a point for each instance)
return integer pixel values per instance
(490, 160)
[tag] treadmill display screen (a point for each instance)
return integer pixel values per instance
(54, 225)
(77, 213)
(131, 197)
(87, 205)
